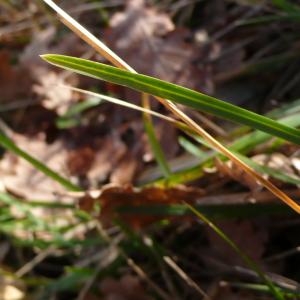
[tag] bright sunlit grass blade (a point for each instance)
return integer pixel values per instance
(175, 93)
(8, 144)
(117, 61)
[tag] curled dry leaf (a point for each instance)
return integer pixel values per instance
(100, 160)
(109, 152)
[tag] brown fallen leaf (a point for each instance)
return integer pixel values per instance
(125, 171)
(23, 179)
(112, 196)
(45, 83)
(81, 160)
(109, 151)
(53, 97)
(147, 39)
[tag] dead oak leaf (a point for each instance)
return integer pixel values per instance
(23, 179)
(27, 183)
(45, 82)
(53, 97)
(108, 154)
(147, 40)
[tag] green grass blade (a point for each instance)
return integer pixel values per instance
(154, 143)
(192, 148)
(8, 144)
(156, 148)
(248, 261)
(175, 93)
(264, 289)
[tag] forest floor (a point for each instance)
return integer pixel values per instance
(128, 234)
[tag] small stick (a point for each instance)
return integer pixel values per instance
(170, 262)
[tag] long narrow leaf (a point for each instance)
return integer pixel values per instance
(175, 93)
(153, 141)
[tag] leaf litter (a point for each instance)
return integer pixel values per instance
(148, 40)
(108, 145)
